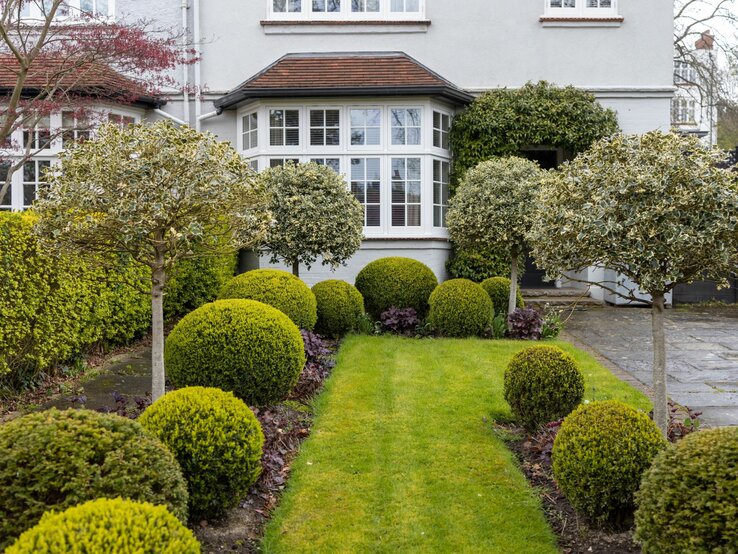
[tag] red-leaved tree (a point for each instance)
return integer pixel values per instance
(55, 56)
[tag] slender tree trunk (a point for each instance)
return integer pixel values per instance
(157, 331)
(296, 269)
(513, 301)
(660, 401)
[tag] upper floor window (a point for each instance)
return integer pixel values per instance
(406, 126)
(38, 138)
(366, 127)
(348, 10)
(683, 111)
(69, 9)
(684, 73)
(581, 8)
(75, 128)
(284, 127)
(33, 174)
(441, 127)
(121, 120)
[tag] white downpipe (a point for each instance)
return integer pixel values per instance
(198, 78)
(177, 120)
(208, 115)
(185, 67)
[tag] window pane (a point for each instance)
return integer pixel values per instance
(358, 137)
(412, 5)
(276, 118)
(373, 169)
(398, 136)
(373, 136)
(292, 137)
(29, 194)
(317, 118)
(413, 169)
(413, 216)
(374, 118)
(357, 169)
(372, 192)
(398, 192)
(276, 137)
(373, 218)
(317, 137)
(332, 118)
(398, 216)
(102, 7)
(292, 118)
(413, 136)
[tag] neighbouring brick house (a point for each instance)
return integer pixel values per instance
(370, 87)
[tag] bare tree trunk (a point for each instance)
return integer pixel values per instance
(157, 331)
(296, 269)
(660, 401)
(513, 301)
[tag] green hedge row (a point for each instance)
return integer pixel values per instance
(54, 307)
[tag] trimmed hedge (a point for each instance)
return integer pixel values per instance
(54, 460)
(542, 384)
(498, 289)
(276, 288)
(396, 283)
(600, 455)
(54, 307)
(217, 441)
(477, 266)
(243, 346)
(688, 501)
(460, 308)
(112, 526)
(340, 306)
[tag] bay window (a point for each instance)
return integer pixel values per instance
(441, 128)
(250, 131)
(406, 187)
(284, 127)
(366, 185)
(325, 127)
(440, 192)
(366, 127)
(406, 126)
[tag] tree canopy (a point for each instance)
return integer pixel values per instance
(314, 216)
(506, 121)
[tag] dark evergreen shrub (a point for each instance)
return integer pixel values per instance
(600, 455)
(396, 283)
(217, 441)
(242, 346)
(498, 289)
(110, 526)
(54, 460)
(460, 308)
(688, 501)
(542, 384)
(340, 305)
(276, 288)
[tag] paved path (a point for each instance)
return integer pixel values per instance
(701, 350)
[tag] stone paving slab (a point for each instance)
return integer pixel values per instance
(701, 352)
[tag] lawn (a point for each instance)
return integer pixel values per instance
(403, 456)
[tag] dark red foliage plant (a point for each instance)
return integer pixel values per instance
(400, 321)
(525, 324)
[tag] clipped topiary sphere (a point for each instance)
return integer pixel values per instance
(54, 460)
(340, 305)
(542, 384)
(600, 455)
(688, 501)
(242, 346)
(217, 441)
(398, 283)
(460, 308)
(112, 526)
(498, 289)
(276, 288)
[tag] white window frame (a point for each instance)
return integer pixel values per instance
(580, 10)
(300, 124)
(74, 11)
(306, 13)
(36, 182)
(441, 132)
(253, 143)
(382, 204)
(390, 128)
(391, 203)
(350, 127)
(309, 125)
(323, 160)
(443, 206)
(683, 105)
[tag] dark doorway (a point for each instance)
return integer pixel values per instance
(547, 159)
(706, 291)
(533, 276)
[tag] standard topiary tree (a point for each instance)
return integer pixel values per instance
(242, 346)
(278, 289)
(503, 122)
(217, 441)
(460, 308)
(600, 455)
(492, 208)
(315, 216)
(340, 306)
(159, 193)
(498, 289)
(688, 501)
(665, 217)
(542, 384)
(54, 460)
(478, 265)
(396, 282)
(113, 526)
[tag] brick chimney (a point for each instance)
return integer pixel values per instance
(706, 41)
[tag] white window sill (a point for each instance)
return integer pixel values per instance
(559, 21)
(319, 27)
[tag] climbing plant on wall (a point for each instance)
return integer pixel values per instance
(504, 122)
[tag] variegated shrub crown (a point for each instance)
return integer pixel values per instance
(655, 208)
(141, 188)
(493, 204)
(315, 215)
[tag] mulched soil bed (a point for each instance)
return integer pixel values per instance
(574, 534)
